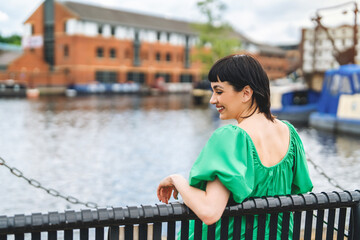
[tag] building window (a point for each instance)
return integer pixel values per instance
(100, 52)
(112, 31)
(158, 57)
(66, 51)
(166, 76)
(32, 29)
(100, 29)
(137, 77)
(168, 57)
(158, 36)
(106, 76)
(112, 53)
(186, 78)
(65, 27)
(168, 37)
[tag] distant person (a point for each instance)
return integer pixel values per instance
(259, 156)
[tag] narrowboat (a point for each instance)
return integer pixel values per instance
(12, 88)
(102, 88)
(293, 101)
(339, 104)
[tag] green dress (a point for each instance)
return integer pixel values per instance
(231, 156)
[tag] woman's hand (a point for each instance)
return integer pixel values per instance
(208, 205)
(165, 188)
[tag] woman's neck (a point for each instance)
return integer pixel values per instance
(248, 114)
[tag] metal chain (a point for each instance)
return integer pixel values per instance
(332, 181)
(50, 191)
(74, 200)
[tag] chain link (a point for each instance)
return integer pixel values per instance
(332, 181)
(34, 183)
(50, 191)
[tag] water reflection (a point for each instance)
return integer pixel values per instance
(337, 154)
(101, 103)
(114, 150)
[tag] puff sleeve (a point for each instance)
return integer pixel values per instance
(301, 178)
(228, 155)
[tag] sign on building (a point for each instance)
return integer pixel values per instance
(32, 42)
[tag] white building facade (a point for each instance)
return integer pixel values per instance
(318, 50)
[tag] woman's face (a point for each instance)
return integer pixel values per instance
(229, 103)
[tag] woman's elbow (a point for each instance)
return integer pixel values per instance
(210, 217)
(210, 221)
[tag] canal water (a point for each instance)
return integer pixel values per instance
(113, 150)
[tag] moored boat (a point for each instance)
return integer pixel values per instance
(102, 88)
(202, 92)
(12, 88)
(293, 101)
(339, 104)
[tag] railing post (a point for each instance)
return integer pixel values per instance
(356, 222)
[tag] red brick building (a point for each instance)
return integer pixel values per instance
(91, 43)
(72, 43)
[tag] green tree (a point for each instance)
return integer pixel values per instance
(217, 38)
(13, 39)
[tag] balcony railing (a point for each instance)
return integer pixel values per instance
(332, 215)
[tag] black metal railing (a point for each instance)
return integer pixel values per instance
(337, 217)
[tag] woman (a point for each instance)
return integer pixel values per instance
(260, 156)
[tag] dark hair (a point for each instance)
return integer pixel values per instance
(240, 71)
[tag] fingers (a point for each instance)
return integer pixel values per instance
(159, 194)
(165, 190)
(164, 193)
(175, 194)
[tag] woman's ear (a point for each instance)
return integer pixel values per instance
(247, 93)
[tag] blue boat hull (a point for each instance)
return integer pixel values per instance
(332, 123)
(295, 114)
(106, 88)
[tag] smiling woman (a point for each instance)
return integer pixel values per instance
(260, 156)
(248, 81)
(229, 103)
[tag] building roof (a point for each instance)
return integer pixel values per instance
(114, 16)
(120, 17)
(242, 37)
(268, 49)
(289, 46)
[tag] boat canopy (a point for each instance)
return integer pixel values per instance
(344, 80)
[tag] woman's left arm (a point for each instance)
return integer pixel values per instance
(208, 205)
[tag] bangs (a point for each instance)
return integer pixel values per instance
(229, 70)
(222, 70)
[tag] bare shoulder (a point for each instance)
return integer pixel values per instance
(281, 128)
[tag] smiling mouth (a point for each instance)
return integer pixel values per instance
(220, 109)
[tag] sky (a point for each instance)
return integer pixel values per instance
(275, 22)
